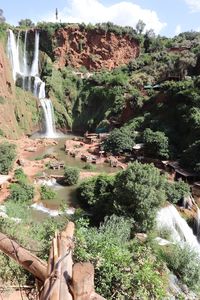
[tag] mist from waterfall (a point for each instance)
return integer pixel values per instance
(29, 74)
(169, 218)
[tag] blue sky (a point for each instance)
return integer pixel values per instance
(165, 17)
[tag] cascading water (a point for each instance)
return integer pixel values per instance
(169, 218)
(21, 69)
(13, 54)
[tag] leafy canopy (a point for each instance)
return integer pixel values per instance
(7, 157)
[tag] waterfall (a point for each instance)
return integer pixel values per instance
(25, 61)
(37, 86)
(13, 53)
(35, 65)
(169, 218)
(48, 115)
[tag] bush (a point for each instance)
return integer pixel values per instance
(22, 192)
(156, 144)
(47, 193)
(138, 193)
(176, 191)
(184, 262)
(89, 166)
(119, 140)
(95, 194)
(123, 269)
(7, 157)
(20, 176)
(71, 175)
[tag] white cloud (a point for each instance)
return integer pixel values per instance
(122, 13)
(194, 5)
(178, 29)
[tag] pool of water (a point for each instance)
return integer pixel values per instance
(65, 195)
(59, 151)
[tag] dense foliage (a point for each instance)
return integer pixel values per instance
(119, 140)
(136, 193)
(7, 157)
(156, 144)
(21, 191)
(71, 175)
(123, 268)
(47, 193)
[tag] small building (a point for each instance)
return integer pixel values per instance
(178, 172)
(90, 138)
(57, 165)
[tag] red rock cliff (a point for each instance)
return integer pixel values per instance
(93, 49)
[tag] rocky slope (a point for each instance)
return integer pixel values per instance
(93, 49)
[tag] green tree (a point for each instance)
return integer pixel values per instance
(26, 23)
(177, 190)
(138, 193)
(7, 157)
(140, 26)
(119, 140)
(156, 144)
(71, 175)
(95, 194)
(190, 157)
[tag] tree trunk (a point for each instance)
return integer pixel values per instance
(23, 257)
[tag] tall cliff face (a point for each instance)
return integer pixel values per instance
(18, 110)
(93, 49)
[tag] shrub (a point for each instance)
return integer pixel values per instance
(47, 193)
(184, 262)
(95, 194)
(138, 193)
(177, 190)
(119, 140)
(89, 166)
(156, 144)
(123, 269)
(7, 157)
(22, 192)
(71, 175)
(20, 175)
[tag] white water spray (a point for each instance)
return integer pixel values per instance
(181, 232)
(13, 54)
(35, 65)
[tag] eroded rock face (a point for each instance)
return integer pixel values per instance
(93, 49)
(6, 83)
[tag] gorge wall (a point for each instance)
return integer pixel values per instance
(93, 49)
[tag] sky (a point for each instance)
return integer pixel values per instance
(165, 17)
